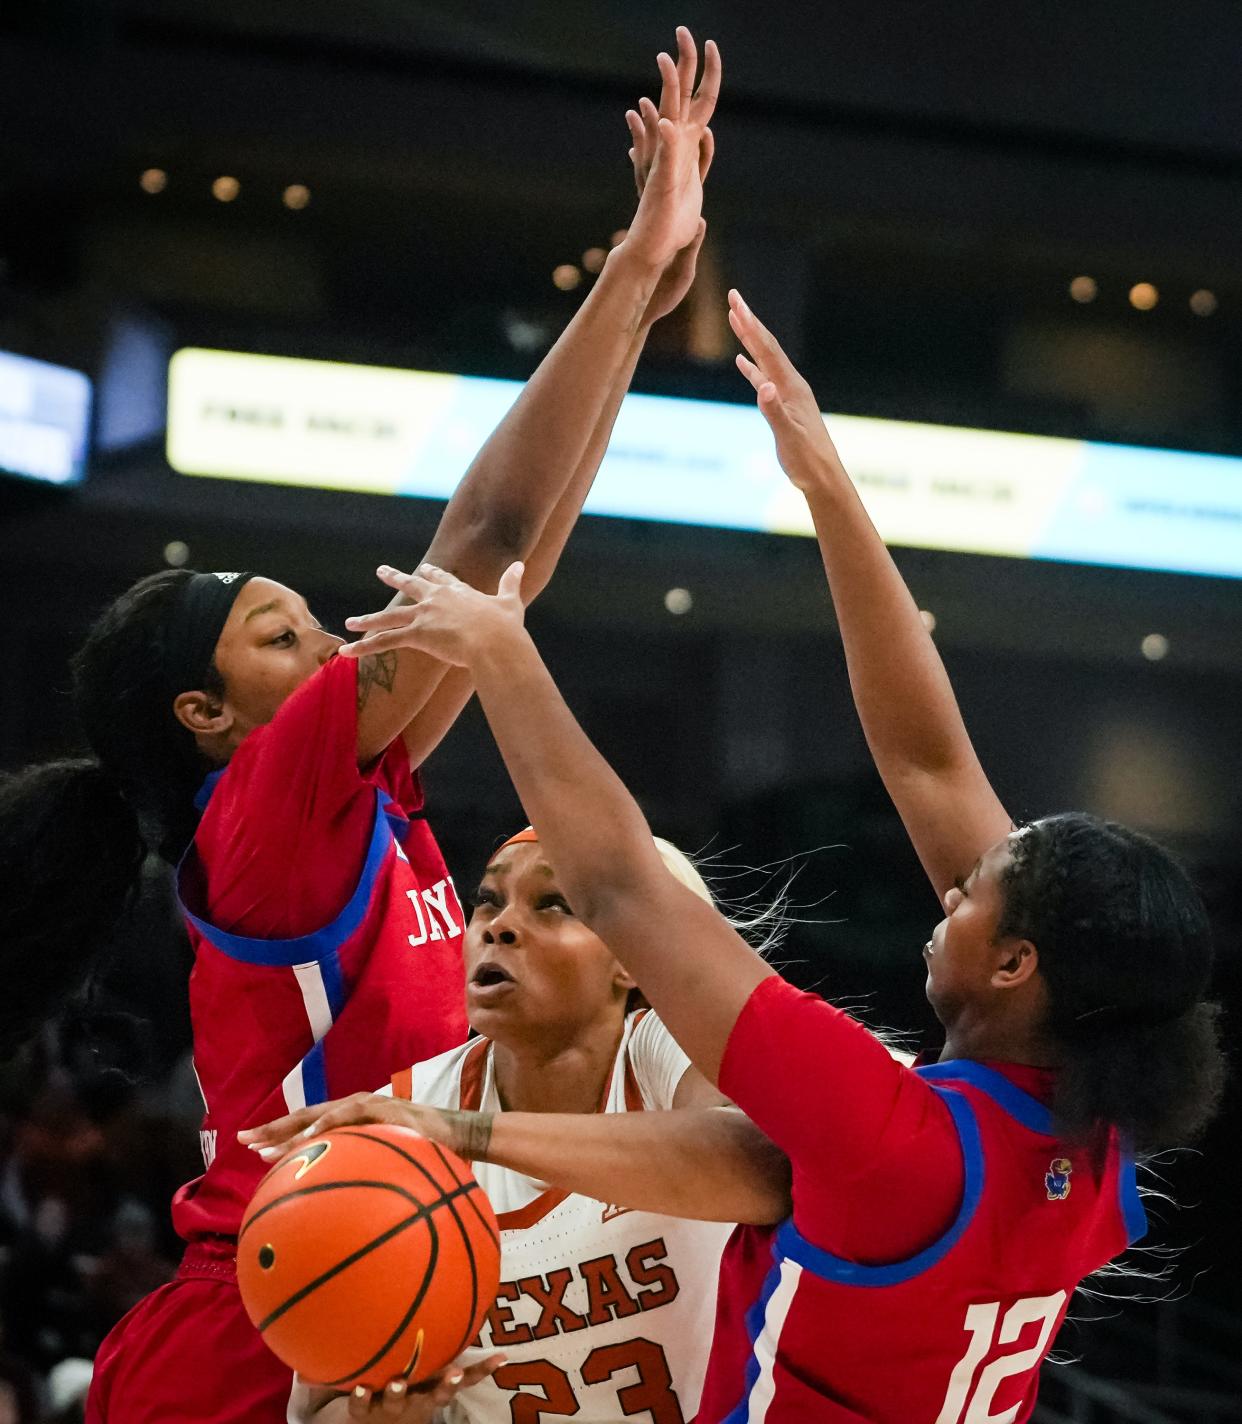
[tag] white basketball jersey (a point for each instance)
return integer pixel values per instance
(605, 1316)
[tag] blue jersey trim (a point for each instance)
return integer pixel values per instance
(333, 982)
(322, 944)
(754, 1325)
(1128, 1200)
(203, 794)
(1029, 1111)
(791, 1243)
(315, 1076)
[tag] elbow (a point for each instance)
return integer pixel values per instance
(615, 893)
(500, 530)
(605, 898)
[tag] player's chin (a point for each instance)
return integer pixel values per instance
(484, 1012)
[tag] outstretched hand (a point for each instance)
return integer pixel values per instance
(444, 616)
(673, 150)
(678, 277)
(786, 401)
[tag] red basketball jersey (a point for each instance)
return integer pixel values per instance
(281, 1023)
(952, 1335)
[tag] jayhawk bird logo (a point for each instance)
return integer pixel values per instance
(1057, 1178)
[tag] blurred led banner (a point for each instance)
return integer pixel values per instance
(44, 420)
(368, 428)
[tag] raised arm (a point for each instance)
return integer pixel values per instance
(589, 825)
(427, 730)
(506, 498)
(709, 1164)
(905, 702)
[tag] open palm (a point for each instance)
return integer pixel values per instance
(671, 202)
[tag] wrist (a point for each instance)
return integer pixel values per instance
(626, 263)
(822, 473)
(469, 1134)
(495, 656)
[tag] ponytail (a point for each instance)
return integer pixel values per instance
(70, 859)
(1157, 1084)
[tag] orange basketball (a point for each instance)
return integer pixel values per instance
(368, 1254)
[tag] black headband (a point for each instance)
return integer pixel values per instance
(198, 618)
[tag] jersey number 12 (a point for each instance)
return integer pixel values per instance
(962, 1405)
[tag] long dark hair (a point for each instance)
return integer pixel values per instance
(1125, 948)
(74, 834)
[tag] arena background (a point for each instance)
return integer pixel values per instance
(906, 192)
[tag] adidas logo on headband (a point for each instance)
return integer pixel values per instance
(226, 578)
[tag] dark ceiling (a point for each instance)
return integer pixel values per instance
(905, 189)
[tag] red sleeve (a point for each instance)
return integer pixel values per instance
(284, 837)
(877, 1170)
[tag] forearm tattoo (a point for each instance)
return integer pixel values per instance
(470, 1133)
(376, 670)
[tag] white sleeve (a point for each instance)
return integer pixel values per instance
(657, 1060)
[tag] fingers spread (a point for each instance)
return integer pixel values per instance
(748, 369)
(687, 68)
(757, 339)
(381, 622)
(708, 92)
(744, 332)
(670, 89)
(434, 574)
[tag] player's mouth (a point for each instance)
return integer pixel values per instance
(491, 981)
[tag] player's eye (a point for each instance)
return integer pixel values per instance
(484, 896)
(554, 902)
(284, 640)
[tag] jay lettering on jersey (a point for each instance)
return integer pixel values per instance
(602, 1289)
(433, 913)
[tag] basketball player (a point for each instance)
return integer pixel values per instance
(942, 1215)
(228, 736)
(602, 1312)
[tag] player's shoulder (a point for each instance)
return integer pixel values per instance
(652, 1061)
(645, 1036)
(437, 1081)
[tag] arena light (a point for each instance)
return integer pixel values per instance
(678, 601)
(381, 430)
(1143, 296)
(44, 420)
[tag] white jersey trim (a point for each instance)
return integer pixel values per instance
(768, 1341)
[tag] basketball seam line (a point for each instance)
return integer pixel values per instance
(423, 1213)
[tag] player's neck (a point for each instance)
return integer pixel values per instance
(567, 1076)
(998, 1043)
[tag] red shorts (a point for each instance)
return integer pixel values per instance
(188, 1354)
